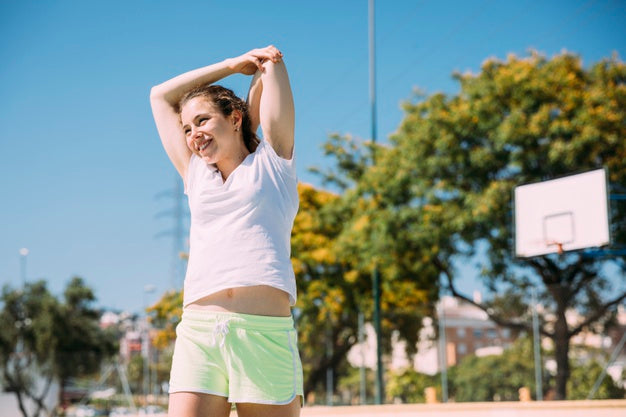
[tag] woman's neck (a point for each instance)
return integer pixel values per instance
(227, 166)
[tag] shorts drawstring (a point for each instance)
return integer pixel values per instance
(221, 329)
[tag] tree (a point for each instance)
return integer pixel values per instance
(334, 282)
(82, 345)
(165, 314)
(326, 311)
(584, 377)
(409, 386)
(495, 377)
(26, 340)
(442, 187)
(43, 340)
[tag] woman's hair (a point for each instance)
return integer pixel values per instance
(226, 101)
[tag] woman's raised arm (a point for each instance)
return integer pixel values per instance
(254, 100)
(164, 100)
(276, 110)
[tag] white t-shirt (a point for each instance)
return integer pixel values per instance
(241, 228)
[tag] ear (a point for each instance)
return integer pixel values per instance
(236, 118)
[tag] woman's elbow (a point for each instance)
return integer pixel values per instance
(271, 67)
(155, 93)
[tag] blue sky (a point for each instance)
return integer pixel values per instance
(80, 159)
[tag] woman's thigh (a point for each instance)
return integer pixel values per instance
(260, 410)
(193, 404)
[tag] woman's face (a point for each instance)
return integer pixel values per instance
(209, 134)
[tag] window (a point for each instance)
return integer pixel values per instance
(492, 333)
(478, 333)
(461, 349)
(460, 332)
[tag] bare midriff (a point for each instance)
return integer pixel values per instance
(261, 300)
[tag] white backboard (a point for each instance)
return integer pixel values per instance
(563, 214)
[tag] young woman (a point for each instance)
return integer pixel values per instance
(236, 342)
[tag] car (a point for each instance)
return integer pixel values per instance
(120, 412)
(85, 411)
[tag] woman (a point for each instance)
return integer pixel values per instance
(236, 342)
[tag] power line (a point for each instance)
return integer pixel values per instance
(435, 47)
(354, 63)
(587, 20)
(566, 20)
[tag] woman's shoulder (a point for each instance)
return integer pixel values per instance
(266, 153)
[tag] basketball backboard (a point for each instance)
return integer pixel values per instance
(563, 214)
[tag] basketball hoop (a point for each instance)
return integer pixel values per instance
(552, 217)
(559, 246)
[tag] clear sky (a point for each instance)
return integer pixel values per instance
(80, 160)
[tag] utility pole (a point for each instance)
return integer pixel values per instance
(443, 357)
(145, 343)
(375, 275)
(178, 213)
(537, 348)
(363, 392)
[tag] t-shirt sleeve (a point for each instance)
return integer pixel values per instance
(286, 167)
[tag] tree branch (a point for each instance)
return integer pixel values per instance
(40, 400)
(540, 270)
(598, 314)
(586, 277)
(495, 318)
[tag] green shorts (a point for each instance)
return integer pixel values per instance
(245, 358)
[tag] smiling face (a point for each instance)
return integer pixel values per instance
(210, 134)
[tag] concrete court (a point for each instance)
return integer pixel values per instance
(595, 408)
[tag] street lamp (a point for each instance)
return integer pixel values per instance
(147, 289)
(23, 255)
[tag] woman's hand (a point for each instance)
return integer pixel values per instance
(252, 61)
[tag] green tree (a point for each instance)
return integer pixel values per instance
(134, 371)
(583, 378)
(164, 315)
(442, 188)
(334, 284)
(409, 386)
(82, 344)
(495, 377)
(43, 340)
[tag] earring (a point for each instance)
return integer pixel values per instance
(236, 128)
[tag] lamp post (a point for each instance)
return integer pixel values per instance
(147, 289)
(379, 397)
(23, 255)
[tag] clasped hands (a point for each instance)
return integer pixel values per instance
(252, 61)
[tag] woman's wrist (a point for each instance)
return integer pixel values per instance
(228, 63)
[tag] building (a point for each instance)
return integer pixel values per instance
(468, 331)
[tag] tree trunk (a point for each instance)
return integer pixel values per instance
(561, 352)
(61, 392)
(319, 374)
